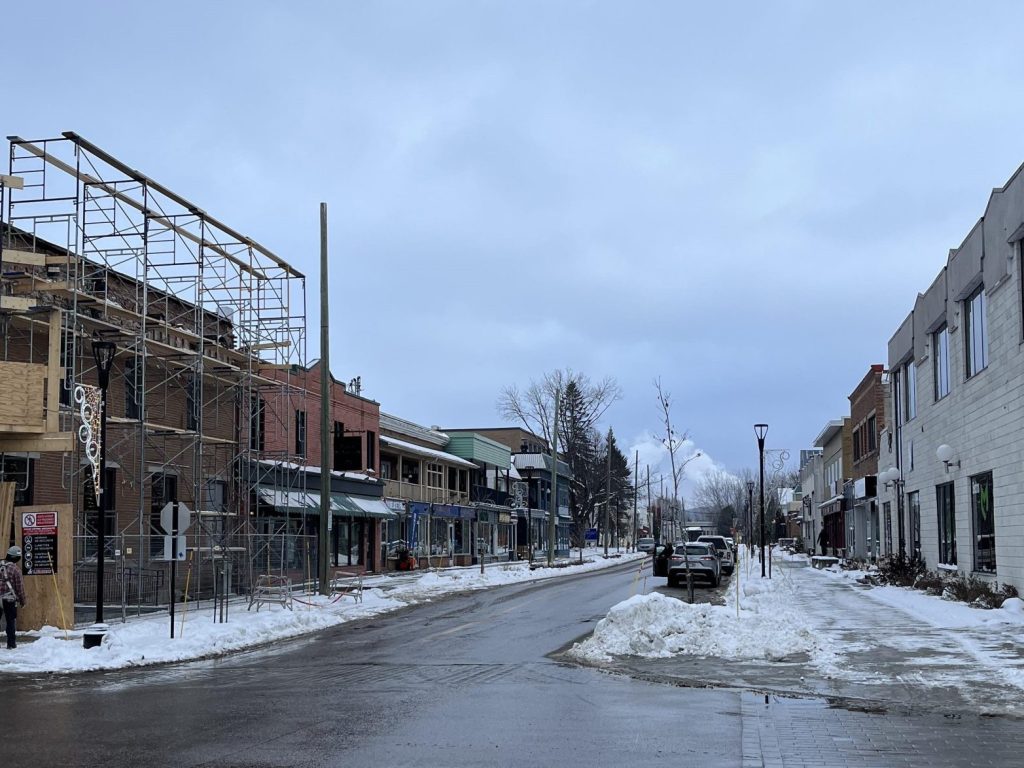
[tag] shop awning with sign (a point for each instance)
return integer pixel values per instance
(308, 502)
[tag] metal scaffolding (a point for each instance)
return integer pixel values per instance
(208, 324)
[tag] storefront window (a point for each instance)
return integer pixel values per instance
(983, 514)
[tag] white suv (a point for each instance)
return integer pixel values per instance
(723, 549)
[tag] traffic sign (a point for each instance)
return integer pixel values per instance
(174, 548)
(175, 517)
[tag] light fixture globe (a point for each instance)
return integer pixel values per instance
(944, 453)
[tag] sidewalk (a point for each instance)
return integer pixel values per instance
(807, 632)
(146, 640)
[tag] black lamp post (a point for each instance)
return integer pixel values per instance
(529, 515)
(103, 353)
(761, 430)
(750, 516)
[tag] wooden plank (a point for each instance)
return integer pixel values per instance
(24, 257)
(16, 302)
(44, 443)
(54, 374)
(12, 182)
(22, 387)
(51, 600)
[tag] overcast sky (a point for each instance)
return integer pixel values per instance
(741, 198)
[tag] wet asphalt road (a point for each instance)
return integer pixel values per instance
(473, 680)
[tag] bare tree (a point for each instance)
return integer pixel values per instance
(582, 404)
(674, 442)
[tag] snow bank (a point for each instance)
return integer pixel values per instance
(656, 626)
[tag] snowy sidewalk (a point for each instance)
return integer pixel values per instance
(814, 632)
(146, 640)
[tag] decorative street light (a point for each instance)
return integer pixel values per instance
(750, 516)
(103, 353)
(761, 430)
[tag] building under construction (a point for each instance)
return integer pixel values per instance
(206, 323)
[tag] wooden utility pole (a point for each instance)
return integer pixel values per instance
(324, 542)
(636, 483)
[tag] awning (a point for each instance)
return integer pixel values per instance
(289, 501)
(308, 502)
(431, 453)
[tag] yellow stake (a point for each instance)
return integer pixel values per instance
(56, 589)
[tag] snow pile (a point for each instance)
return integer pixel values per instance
(656, 626)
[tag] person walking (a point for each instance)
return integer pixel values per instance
(12, 593)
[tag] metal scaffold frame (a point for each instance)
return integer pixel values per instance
(206, 321)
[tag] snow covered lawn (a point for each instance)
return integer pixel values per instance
(146, 640)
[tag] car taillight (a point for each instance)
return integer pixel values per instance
(707, 557)
(677, 559)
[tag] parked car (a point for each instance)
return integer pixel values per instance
(661, 558)
(645, 544)
(724, 551)
(732, 543)
(787, 544)
(703, 563)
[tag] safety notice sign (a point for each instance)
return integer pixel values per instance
(39, 543)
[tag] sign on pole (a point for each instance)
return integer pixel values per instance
(175, 518)
(174, 548)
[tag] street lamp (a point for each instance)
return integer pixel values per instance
(529, 515)
(103, 353)
(761, 430)
(750, 516)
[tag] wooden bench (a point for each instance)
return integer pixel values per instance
(271, 589)
(348, 584)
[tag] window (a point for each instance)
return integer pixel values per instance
(339, 435)
(872, 433)
(914, 511)
(435, 476)
(858, 435)
(300, 433)
(17, 470)
(192, 404)
(897, 400)
(887, 514)
(371, 449)
(910, 391)
(940, 355)
(976, 332)
(411, 471)
(947, 523)
(983, 517)
(132, 401)
(387, 466)
(257, 425)
(67, 362)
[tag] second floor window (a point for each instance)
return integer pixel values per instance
(940, 349)
(300, 433)
(976, 332)
(435, 476)
(909, 391)
(132, 385)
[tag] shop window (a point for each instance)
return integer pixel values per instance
(914, 513)
(976, 332)
(983, 517)
(947, 523)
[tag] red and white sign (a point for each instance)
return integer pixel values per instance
(39, 523)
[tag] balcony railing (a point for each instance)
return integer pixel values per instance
(398, 489)
(487, 495)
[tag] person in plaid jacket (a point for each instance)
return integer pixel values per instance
(12, 592)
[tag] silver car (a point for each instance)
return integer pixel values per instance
(721, 546)
(702, 561)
